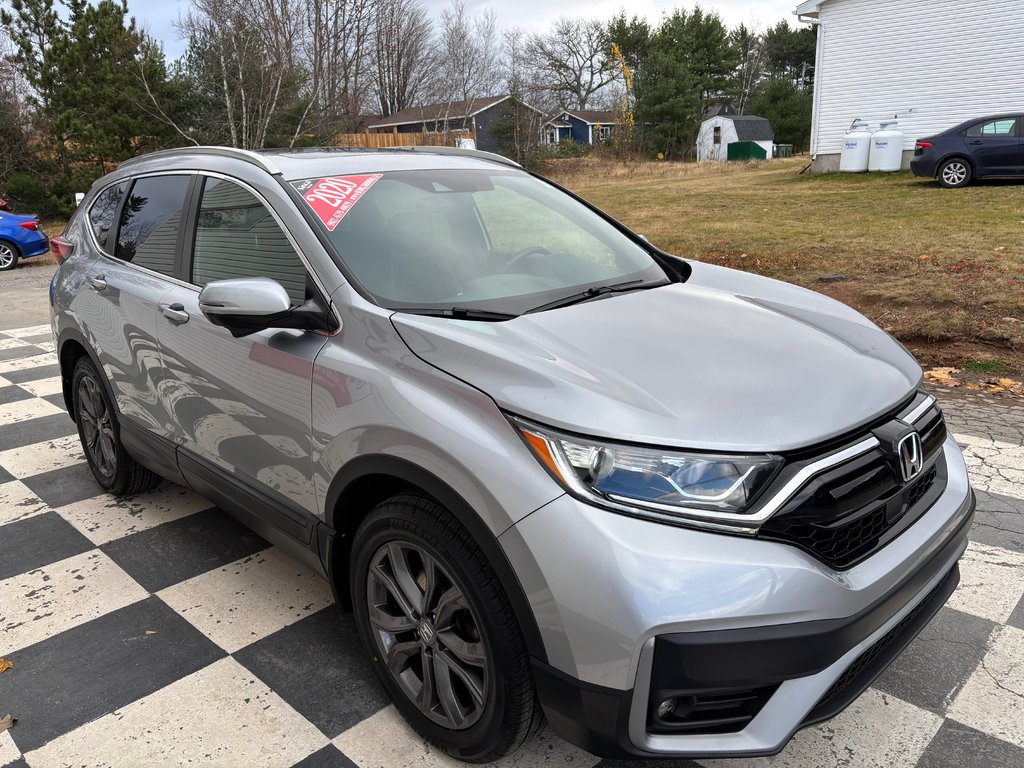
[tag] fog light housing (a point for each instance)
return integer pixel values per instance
(666, 707)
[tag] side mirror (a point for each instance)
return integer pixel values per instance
(246, 305)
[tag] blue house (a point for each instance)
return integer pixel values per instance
(584, 126)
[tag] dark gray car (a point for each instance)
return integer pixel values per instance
(677, 509)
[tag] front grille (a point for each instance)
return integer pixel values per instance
(849, 512)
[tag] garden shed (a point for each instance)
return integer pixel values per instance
(718, 132)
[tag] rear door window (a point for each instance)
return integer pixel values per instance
(1003, 128)
(102, 213)
(151, 222)
(236, 236)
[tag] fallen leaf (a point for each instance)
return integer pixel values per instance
(993, 388)
(6, 722)
(5, 664)
(973, 387)
(941, 375)
(923, 256)
(150, 631)
(1008, 383)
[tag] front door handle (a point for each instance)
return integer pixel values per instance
(175, 313)
(96, 281)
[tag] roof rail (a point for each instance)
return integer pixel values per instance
(240, 154)
(460, 152)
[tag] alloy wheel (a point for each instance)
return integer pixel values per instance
(7, 256)
(427, 634)
(97, 429)
(954, 173)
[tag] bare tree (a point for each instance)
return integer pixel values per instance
(749, 43)
(243, 53)
(574, 57)
(468, 60)
(401, 51)
(12, 113)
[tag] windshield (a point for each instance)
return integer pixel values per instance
(491, 240)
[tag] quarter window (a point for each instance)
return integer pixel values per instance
(151, 221)
(236, 236)
(102, 213)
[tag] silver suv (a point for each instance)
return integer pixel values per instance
(676, 509)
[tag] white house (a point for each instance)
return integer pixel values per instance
(931, 63)
(718, 132)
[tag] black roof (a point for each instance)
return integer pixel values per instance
(751, 128)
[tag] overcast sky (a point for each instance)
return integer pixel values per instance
(158, 16)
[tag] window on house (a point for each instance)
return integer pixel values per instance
(606, 131)
(718, 134)
(552, 136)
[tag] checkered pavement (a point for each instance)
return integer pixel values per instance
(157, 630)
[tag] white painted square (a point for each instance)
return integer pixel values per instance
(17, 502)
(35, 330)
(24, 363)
(385, 739)
(49, 346)
(992, 701)
(42, 457)
(991, 582)
(875, 731)
(105, 518)
(249, 599)
(994, 466)
(222, 715)
(44, 387)
(9, 751)
(49, 600)
(25, 410)
(13, 343)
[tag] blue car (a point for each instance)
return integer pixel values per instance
(983, 148)
(20, 238)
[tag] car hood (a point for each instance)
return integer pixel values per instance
(726, 361)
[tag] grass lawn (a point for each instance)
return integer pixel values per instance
(943, 270)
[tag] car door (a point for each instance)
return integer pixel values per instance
(995, 146)
(133, 232)
(241, 406)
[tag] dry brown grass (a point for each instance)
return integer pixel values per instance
(941, 269)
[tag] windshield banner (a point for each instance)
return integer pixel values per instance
(332, 198)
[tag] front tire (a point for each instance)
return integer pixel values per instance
(955, 173)
(115, 471)
(441, 631)
(8, 256)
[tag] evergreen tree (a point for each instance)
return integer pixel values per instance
(789, 110)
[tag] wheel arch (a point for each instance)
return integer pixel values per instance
(957, 156)
(71, 347)
(364, 482)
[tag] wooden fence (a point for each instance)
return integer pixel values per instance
(379, 140)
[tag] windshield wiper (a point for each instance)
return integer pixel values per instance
(593, 293)
(458, 313)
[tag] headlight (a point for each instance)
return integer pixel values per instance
(709, 490)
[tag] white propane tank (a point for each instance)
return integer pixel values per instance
(886, 148)
(856, 148)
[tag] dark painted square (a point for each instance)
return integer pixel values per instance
(34, 374)
(178, 550)
(934, 667)
(647, 764)
(58, 400)
(1017, 617)
(69, 679)
(328, 757)
(16, 353)
(40, 338)
(13, 394)
(37, 541)
(5, 476)
(65, 485)
(957, 745)
(19, 763)
(330, 681)
(999, 521)
(36, 431)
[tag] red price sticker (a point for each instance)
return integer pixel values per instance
(332, 198)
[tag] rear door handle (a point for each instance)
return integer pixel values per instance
(96, 281)
(175, 313)
(976, 143)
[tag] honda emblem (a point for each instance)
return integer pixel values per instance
(910, 456)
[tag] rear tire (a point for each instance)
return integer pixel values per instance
(115, 471)
(443, 637)
(9, 256)
(955, 173)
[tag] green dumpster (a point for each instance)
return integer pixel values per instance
(784, 150)
(746, 150)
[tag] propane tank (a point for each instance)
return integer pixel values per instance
(886, 148)
(856, 148)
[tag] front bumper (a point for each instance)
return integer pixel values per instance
(636, 612)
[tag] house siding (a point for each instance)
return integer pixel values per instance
(931, 63)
